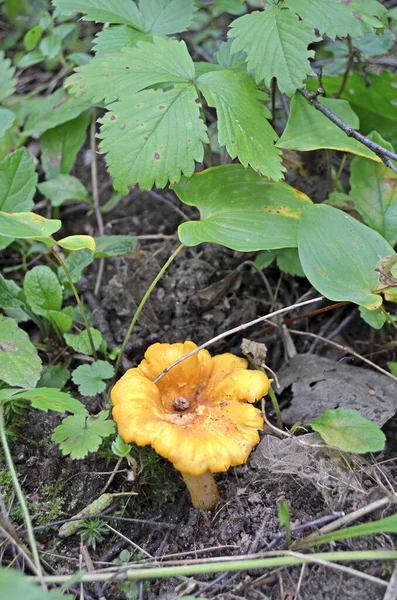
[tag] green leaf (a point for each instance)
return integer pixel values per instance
(165, 17)
(11, 295)
(43, 290)
(20, 364)
(60, 145)
(347, 430)
(336, 18)
(113, 39)
(265, 258)
(276, 42)
(29, 59)
(288, 261)
(89, 378)
(54, 376)
(14, 584)
(241, 210)
(229, 60)
(63, 188)
(78, 435)
(374, 318)
(113, 245)
(18, 180)
(50, 46)
(61, 320)
(242, 120)
(77, 242)
(233, 7)
(51, 399)
(75, 263)
(6, 77)
(103, 11)
(27, 225)
(7, 118)
(52, 111)
(155, 139)
(371, 44)
(308, 129)
(393, 368)
(123, 74)
(339, 255)
(374, 193)
(373, 98)
(80, 343)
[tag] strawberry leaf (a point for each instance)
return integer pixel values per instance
(78, 435)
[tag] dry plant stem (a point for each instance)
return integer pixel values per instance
(21, 497)
(142, 304)
(95, 195)
(276, 408)
(384, 154)
(202, 490)
(345, 349)
(79, 302)
(242, 563)
(236, 330)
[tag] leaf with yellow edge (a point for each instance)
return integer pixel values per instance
(27, 225)
(308, 129)
(77, 242)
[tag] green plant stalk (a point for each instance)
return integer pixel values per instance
(388, 317)
(276, 407)
(78, 300)
(21, 497)
(141, 305)
(276, 560)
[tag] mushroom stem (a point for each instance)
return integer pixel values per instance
(202, 490)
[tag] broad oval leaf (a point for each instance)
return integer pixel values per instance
(51, 399)
(77, 242)
(27, 225)
(20, 364)
(276, 42)
(18, 180)
(113, 245)
(43, 290)
(241, 210)
(62, 188)
(339, 255)
(347, 430)
(308, 129)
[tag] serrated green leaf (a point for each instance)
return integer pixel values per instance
(113, 245)
(288, 261)
(120, 448)
(27, 225)
(336, 18)
(6, 77)
(373, 98)
(54, 376)
(123, 74)
(18, 180)
(371, 44)
(374, 318)
(77, 242)
(14, 584)
(43, 290)
(80, 343)
(165, 17)
(308, 129)
(89, 378)
(52, 111)
(7, 118)
(371, 13)
(20, 364)
(347, 430)
(339, 254)
(374, 193)
(242, 120)
(113, 39)
(63, 188)
(75, 263)
(103, 11)
(78, 435)
(241, 210)
(229, 60)
(51, 399)
(60, 145)
(155, 139)
(276, 45)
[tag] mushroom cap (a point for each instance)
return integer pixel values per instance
(198, 415)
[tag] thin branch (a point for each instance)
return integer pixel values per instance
(236, 330)
(384, 154)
